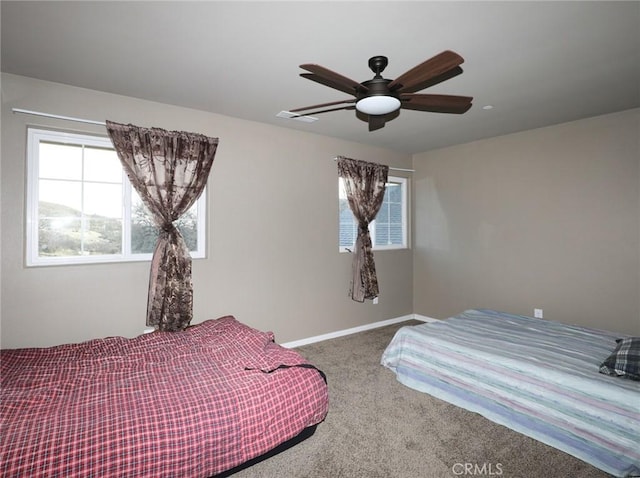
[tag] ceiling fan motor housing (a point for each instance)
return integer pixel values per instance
(376, 87)
(377, 100)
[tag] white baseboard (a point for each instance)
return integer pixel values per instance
(355, 330)
(424, 318)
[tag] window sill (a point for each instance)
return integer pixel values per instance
(376, 249)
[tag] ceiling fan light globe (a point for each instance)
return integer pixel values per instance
(378, 105)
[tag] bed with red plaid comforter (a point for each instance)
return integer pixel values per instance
(167, 404)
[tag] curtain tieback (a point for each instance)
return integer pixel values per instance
(168, 228)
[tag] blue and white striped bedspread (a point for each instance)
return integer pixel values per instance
(537, 377)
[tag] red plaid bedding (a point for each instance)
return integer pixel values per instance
(167, 404)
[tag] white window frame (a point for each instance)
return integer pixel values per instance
(32, 257)
(405, 218)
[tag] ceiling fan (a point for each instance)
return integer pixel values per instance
(379, 100)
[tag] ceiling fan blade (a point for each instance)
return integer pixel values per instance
(436, 103)
(334, 77)
(427, 70)
(331, 84)
(376, 122)
(322, 105)
(432, 81)
(310, 113)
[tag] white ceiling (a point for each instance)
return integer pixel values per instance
(537, 63)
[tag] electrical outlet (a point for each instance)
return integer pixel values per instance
(375, 301)
(537, 313)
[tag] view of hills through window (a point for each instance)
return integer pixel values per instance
(82, 205)
(63, 231)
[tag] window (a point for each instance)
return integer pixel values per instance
(389, 229)
(81, 207)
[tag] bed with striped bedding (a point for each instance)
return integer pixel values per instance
(189, 404)
(538, 377)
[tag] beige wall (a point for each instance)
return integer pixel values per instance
(273, 258)
(548, 218)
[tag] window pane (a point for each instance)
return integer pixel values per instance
(348, 228)
(59, 237)
(394, 192)
(396, 234)
(382, 233)
(188, 227)
(73, 236)
(102, 236)
(64, 197)
(383, 213)
(396, 209)
(103, 200)
(102, 165)
(144, 232)
(60, 161)
(395, 213)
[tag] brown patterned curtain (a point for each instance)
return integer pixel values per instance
(169, 169)
(364, 184)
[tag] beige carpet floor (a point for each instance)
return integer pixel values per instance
(379, 428)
